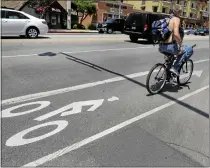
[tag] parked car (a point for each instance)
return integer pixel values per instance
(22, 24)
(189, 31)
(111, 26)
(138, 25)
(202, 31)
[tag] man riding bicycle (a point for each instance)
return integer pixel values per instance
(173, 45)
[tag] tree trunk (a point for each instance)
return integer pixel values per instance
(83, 18)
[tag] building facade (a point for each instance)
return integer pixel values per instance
(107, 10)
(195, 12)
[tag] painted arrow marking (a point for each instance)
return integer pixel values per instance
(196, 73)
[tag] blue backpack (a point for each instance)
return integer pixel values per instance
(160, 30)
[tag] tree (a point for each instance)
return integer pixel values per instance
(85, 8)
(43, 5)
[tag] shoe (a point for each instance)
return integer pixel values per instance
(174, 71)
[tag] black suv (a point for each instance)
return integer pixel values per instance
(138, 25)
(111, 25)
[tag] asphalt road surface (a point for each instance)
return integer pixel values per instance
(80, 100)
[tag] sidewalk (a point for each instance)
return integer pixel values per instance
(71, 31)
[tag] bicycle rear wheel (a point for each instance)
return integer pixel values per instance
(185, 72)
(159, 81)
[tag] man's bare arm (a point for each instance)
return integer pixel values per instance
(176, 31)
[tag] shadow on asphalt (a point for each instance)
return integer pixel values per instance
(23, 37)
(168, 88)
(143, 42)
(50, 54)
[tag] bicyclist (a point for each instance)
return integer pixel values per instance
(173, 44)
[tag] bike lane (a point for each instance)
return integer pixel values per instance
(113, 103)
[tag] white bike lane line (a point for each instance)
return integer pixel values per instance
(113, 129)
(77, 87)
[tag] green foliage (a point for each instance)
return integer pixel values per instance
(92, 27)
(39, 3)
(84, 7)
(75, 26)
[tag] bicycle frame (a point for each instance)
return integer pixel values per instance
(169, 59)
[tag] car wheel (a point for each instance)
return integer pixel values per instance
(133, 38)
(32, 32)
(204, 34)
(110, 31)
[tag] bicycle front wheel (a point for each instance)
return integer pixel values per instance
(158, 74)
(185, 72)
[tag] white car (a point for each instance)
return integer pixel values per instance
(18, 23)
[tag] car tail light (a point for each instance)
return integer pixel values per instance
(44, 22)
(145, 27)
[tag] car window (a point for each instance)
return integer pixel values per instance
(15, 15)
(110, 21)
(3, 14)
(139, 18)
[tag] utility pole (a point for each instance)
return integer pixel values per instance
(119, 9)
(69, 14)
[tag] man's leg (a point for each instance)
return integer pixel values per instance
(175, 51)
(187, 53)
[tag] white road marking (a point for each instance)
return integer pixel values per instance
(74, 88)
(197, 73)
(76, 108)
(20, 55)
(112, 49)
(88, 51)
(6, 113)
(199, 61)
(113, 98)
(75, 52)
(86, 141)
(68, 89)
(18, 140)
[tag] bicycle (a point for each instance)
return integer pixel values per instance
(168, 76)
